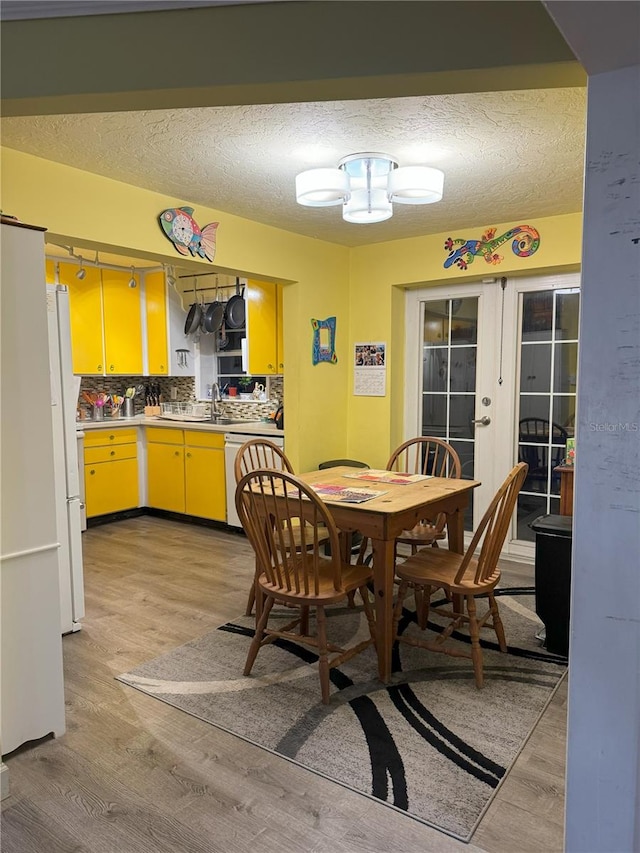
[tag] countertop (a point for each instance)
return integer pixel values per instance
(248, 428)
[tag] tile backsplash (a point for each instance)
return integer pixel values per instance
(185, 392)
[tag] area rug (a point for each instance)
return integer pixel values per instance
(429, 743)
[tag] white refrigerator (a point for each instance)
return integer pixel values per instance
(69, 506)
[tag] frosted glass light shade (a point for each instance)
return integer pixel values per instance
(416, 185)
(365, 207)
(321, 187)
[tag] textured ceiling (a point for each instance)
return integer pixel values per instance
(506, 156)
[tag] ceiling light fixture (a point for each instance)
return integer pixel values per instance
(367, 184)
(132, 280)
(82, 271)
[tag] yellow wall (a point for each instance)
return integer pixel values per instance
(362, 287)
(379, 275)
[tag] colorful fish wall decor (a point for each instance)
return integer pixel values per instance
(526, 241)
(184, 232)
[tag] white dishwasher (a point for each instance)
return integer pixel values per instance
(233, 441)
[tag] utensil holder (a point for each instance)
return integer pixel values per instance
(98, 413)
(128, 410)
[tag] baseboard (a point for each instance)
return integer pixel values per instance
(4, 781)
(189, 519)
(97, 520)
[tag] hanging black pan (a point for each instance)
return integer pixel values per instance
(194, 317)
(234, 314)
(214, 315)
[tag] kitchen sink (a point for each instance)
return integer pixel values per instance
(234, 421)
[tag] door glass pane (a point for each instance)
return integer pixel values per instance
(466, 450)
(564, 412)
(537, 316)
(529, 508)
(435, 368)
(434, 415)
(534, 406)
(436, 323)
(535, 368)
(464, 321)
(461, 414)
(567, 315)
(449, 349)
(547, 390)
(463, 369)
(565, 368)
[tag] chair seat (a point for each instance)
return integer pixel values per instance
(438, 568)
(353, 577)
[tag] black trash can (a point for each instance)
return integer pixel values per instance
(553, 578)
(356, 538)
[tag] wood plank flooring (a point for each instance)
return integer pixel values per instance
(133, 775)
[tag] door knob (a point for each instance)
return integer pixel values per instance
(484, 421)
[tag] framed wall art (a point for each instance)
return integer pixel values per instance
(324, 341)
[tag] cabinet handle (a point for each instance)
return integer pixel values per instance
(111, 368)
(162, 367)
(111, 437)
(113, 453)
(177, 453)
(100, 368)
(281, 364)
(270, 366)
(93, 471)
(188, 456)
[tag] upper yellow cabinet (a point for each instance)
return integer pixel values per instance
(156, 316)
(122, 323)
(264, 328)
(85, 306)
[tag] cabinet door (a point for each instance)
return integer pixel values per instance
(205, 483)
(111, 486)
(122, 323)
(85, 308)
(261, 327)
(279, 329)
(156, 314)
(165, 476)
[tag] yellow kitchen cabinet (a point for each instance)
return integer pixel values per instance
(156, 316)
(122, 323)
(110, 471)
(204, 475)
(165, 469)
(262, 341)
(85, 308)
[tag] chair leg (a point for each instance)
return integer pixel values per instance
(254, 648)
(423, 613)
(418, 594)
(497, 622)
(304, 621)
(251, 600)
(364, 594)
(397, 612)
(323, 663)
(351, 599)
(474, 631)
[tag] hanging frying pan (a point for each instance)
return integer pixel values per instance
(214, 314)
(234, 314)
(223, 340)
(194, 316)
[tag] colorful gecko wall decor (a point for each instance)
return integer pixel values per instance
(526, 241)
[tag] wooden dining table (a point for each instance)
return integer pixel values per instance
(382, 519)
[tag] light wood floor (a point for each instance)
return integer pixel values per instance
(133, 775)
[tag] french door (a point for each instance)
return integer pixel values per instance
(491, 368)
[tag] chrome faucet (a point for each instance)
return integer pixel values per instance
(216, 397)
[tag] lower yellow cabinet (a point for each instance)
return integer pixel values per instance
(185, 470)
(110, 471)
(204, 475)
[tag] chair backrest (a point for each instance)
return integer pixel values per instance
(260, 453)
(426, 454)
(494, 526)
(273, 507)
(535, 431)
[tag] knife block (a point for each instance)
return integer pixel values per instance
(150, 411)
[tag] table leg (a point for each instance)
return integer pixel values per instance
(383, 572)
(455, 529)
